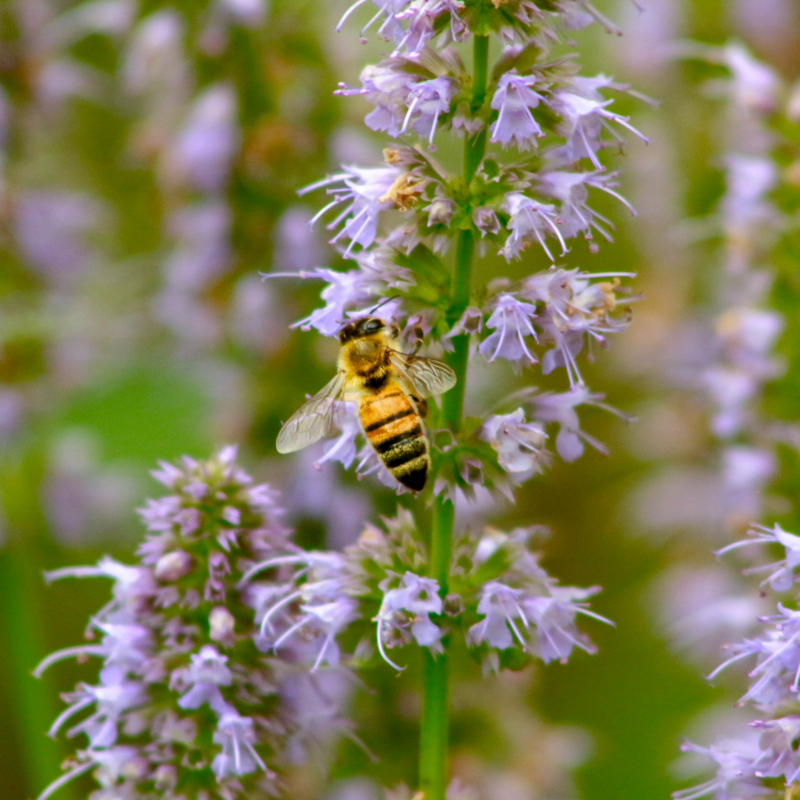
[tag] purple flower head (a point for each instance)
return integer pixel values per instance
(51, 230)
(500, 607)
(343, 448)
(514, 99)
(573, 307)
(753, 86)
(745, 474)
(236, 737)
(314, 601)
(777, 671)
(162, 673)
(560, 408)
(410, 23)
(344, 290)
(207, 672)
(553, 618)
(748, 335)
(540, 623)
(511, 321)
(745, 207)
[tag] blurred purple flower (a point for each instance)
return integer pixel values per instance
(52, 229)
(208, 140)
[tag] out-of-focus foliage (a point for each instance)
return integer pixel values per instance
(150, 159)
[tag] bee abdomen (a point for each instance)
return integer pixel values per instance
(393, 428)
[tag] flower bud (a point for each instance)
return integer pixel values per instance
(486, 221)
(441, 211)
(173, 566)
(221, 624)
(453, 605)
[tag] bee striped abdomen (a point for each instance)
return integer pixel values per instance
(394, 429)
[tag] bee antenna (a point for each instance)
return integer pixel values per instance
(384, 302)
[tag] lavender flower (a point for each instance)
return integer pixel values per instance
(513, 100)
(518, 444)
(529, 219)
(511, 322)
(368, 192)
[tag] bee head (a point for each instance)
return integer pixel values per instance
(366, 326)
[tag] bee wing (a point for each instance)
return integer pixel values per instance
(313, 420)
(427, 375)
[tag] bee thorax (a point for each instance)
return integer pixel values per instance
(365, 358)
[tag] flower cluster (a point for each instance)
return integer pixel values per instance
(186, 705)
(376, 596)
(765, 761)
(398, 221)
(516, 603)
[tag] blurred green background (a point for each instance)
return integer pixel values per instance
(151, 156)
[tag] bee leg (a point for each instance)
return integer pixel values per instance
(422, 406)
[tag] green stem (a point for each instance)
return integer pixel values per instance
(433, 760)
(476, 147)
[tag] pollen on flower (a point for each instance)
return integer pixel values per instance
(404, 192)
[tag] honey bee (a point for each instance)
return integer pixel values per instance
(389, 387)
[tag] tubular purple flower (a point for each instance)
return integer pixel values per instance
(500, 606)
(511, 322)
(427, 101)
(387, 88)
(554, 621)
(571, 189)
(206, 145)
(573, 308)
(778, 756)
(236, 737)
(343, 448)
(782, 578)
(585, 114)
(366, 192)
(420, 598)
(559, 408)
(529, 219)
(519, 444)
(513, 99)
(735, 776)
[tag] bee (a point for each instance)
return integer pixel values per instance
(390, 388)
